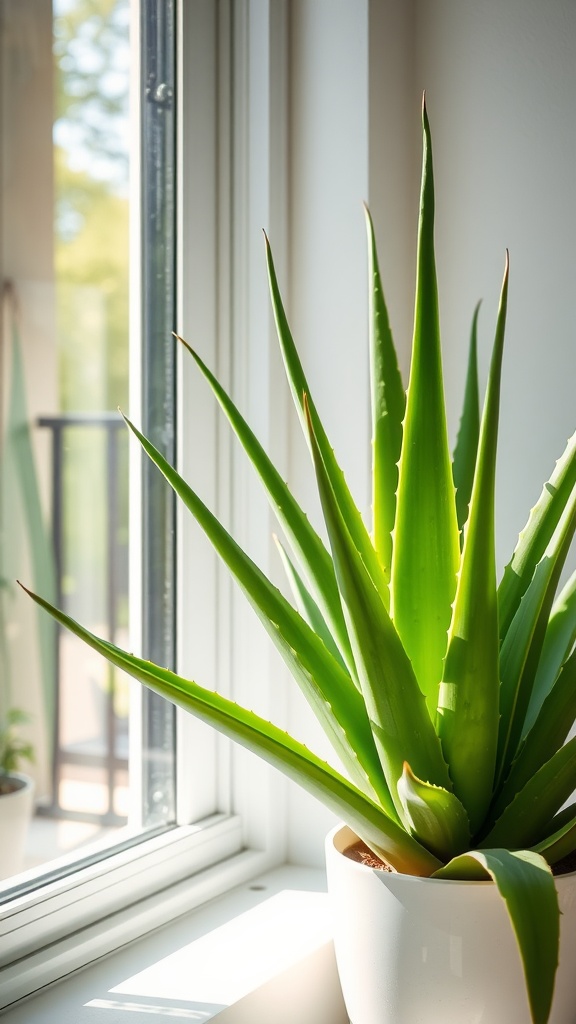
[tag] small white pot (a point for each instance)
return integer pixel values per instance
(15, 814)
(428, 951)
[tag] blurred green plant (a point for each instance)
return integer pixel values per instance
(22, 527)
(13, 749)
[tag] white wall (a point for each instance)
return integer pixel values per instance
(329, 150)
(329, 181)
(500, 80)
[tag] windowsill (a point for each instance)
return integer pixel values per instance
(261, 952)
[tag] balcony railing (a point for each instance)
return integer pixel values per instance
(106, 752)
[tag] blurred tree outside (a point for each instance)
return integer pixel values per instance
(92, 292)
(91, 50)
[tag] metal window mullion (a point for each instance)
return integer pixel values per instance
(158, 169)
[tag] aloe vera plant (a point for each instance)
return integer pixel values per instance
(448, 697)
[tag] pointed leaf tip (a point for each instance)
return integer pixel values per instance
(425, 119)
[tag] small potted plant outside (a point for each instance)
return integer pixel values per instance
(448, 696)
(16, 791)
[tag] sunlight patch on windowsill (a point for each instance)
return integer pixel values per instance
(217, 969)
(153, 1007)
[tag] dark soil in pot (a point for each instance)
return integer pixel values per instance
(360, 853)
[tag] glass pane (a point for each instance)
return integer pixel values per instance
(64, 213)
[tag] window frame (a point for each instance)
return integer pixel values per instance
(237, 829)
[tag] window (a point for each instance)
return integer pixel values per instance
(212, 99)
(173, 831)
(64, 448)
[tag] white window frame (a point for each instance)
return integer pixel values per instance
(233, 139)
(57, 928)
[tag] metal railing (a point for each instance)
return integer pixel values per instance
(110, 753)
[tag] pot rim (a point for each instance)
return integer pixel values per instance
(354, 865)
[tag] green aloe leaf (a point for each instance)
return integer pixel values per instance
(526, 885)
(433, 816)
(398, 715)
(328, 689)
(301, 535)
(426, 545)
(306, 605)
(558, 642)
(383, 835)
(525, 820)
(469, 695)
(536, 535)
(299, 388)
(464, 461)
(522, 645)
(388, 407)
(546, 736)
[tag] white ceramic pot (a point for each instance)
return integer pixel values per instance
(428, 951)
(15, 814)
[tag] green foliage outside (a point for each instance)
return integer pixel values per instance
(92, 292)
(91, 202)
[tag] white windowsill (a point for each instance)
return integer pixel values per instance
(260, 953)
